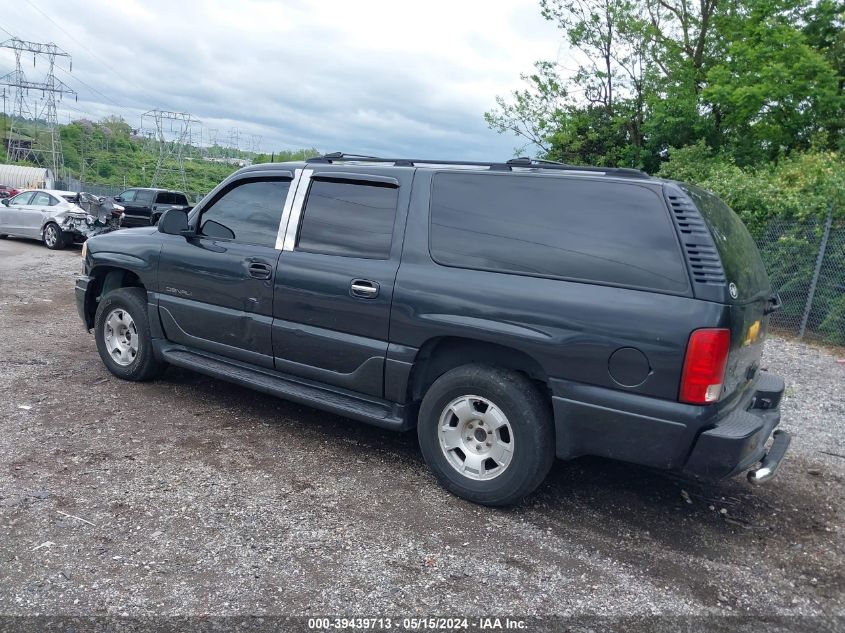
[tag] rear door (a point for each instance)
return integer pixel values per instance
(33, 214)
(136, 206)
(163, 201)
(335, 277)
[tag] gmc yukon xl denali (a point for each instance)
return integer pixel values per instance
(511, 312)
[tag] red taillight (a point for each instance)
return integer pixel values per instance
(704, 365)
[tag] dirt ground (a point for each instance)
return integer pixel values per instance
(192, 496)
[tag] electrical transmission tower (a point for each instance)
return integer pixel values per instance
(234, 141)
(44, 149)
(173, 137)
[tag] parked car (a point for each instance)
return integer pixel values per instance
(8, 192)
(57, 218)
(512, 312)
(145, 206)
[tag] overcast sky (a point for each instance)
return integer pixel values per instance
(409, 78)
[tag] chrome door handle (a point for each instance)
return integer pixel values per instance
(364, 288)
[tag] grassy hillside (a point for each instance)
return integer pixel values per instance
(107, 153)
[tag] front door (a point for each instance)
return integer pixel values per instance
(13, 215)
(334, 282)
(216, 288)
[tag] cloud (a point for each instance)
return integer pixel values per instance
(397, 78)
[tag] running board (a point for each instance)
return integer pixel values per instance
(379, 413)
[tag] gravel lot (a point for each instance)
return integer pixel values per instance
(193, 496)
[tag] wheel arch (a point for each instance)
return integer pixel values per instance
(107, 278)
(441, 354)
(48, 222)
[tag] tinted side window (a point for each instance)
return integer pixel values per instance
(737, 250)
(128, 196)
(143, 197)
(351, 219)
(604, 232)
(168, 197)
(249, 212)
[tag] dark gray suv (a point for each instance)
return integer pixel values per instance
(511, 312)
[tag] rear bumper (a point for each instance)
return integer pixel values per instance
(710, 442)
(738, 441)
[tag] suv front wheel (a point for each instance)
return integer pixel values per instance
(487, 434)
(122, 332)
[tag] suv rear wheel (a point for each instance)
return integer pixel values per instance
(487, 434)
(122, 332)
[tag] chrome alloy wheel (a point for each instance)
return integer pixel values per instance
(476, 437)
(121, 337)
(51, 236)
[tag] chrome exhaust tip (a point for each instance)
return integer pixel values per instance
(770, 463)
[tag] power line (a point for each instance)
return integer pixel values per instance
(63, 30)
(77, 79)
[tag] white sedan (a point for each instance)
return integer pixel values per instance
(56, 217)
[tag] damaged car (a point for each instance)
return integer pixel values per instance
(58, 218)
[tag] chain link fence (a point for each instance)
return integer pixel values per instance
(71, 184)
(806, 263)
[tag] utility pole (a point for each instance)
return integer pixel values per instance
(48, 153)
(171, 144)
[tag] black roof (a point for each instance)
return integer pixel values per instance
(154, 189)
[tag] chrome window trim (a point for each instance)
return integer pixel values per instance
(292, 225)
(286, 210)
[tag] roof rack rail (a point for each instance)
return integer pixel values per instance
(523, 162)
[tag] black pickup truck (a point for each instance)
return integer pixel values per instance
(145, 206)
(511, 312)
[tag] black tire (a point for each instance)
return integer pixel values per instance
(52, 237)
(3, 236)
(530, 419)
(144, 365)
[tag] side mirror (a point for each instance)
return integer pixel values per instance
(118, 199)
(174, 222)
(5, 201)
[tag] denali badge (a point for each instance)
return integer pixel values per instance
(732, 289)
(178, 291)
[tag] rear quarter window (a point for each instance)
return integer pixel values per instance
(740, 258)
(603, 232)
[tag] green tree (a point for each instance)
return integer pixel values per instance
(756, 79)
(774, 91)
